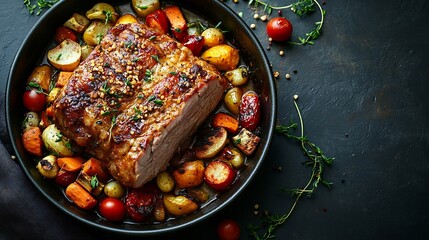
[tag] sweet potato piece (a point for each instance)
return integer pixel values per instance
(79, 196)
(226, 121)
(94, 167)
(177, 22)
(63, 78)
(71, 164)
(32, 141)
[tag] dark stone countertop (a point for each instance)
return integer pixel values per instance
(363, 94)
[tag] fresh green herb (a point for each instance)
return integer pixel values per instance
(178, 30)
(59, 56)
(112, 124)
(316, 159)
(94, 182)
(173, 73)
(68, 145)
(151, 98)
(40, 4)
(36, 86)
(105, 88)
(99, 37)
(108, 15)
(198, 25)
(137, 113)
(135, 59)
(148, 75)
(106, 64)
(152, 38)
(127, 82)
(129, 44)
(59, 137)
(158, 102)
(143, 7)
(105, 113)
(237, 141)
(300, 8)
(155, 57)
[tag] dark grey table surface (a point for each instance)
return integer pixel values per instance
(363, 91)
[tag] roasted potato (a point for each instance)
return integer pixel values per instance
(246, 141)
(126, 18)
(223, 57)
(65, 56)
(238, 76)
(191, 174)
(236, 159)
(32, 119)
(114, 189)
(42, 76)
(210, 143)
(232, 99)
(48, 166)
(145, 7)
(102, 11)
(165, 181)
(213, 37)
(179, 205)
(77, 22)
(55, 142)
(95, 32)
(86, 50)
(53, 94)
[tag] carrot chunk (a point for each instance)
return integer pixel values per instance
(177, 22)
(226, 121)
(80, 196)
(63, 78)
(94, 167)
(71, 164)
(32, 141)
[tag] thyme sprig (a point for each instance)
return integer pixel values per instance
(300, 8)
(316, 159)
(40, 5)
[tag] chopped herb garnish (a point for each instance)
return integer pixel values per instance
(178, 30)
(155, 57)
(151, 98)
(142, 7)
(94, 182)
(135, 59)
(99, 37)
(173, 73)
(128, 82)
(41, 4)
(152, 37)
(112, 124)
(105, 88)
(129, 44)
(106, 64)
(139, 96)
(59, 56)
(237, 141)
(158, 102)
(108, 15)
(105, 113)
(59, 137)
(34, 85)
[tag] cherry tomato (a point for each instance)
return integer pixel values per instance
(112, 209)
(62, 33)
(194, 43)
(279, 29)
(250, 111)
(34, 100)
(158, 20)
(140, 204)
(228, 230)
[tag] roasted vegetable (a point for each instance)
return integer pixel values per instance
(178, 23)
(114, 189)
(238, 76)
(52, 95)
(226, 121)
(34, 100)
(246, 141)
(94, 167)
(79, 196)
(65, 56)
(234, 156)
(223, 57)
(48, 167)
(77, 23)
(191, 174)
(232, 99)
(140, 204)
(212, 37)
(95, 32)
(159, 211)
(32, 141)
(90, 183)
(219, 175)
(41, 76)
(71, 164)
(145, 7)
(63, 78)
(194, 43)
(31, 120)
(102, 11)
(55, 142)
(86, 50)
(65, 178)
(158, 20)
(126, 18)
(165, 181)
(62, 33)
(250, 111)
(210, 143)
(179, 205)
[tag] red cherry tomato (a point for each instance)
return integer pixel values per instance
(34, 100)
(112, 209)
(228, 230)
(140, 204)
(250, 111)
(62, 33)
(158, 20)
(194, 43)
(279, 29)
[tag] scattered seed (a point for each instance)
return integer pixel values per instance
(13, 157)
(295, 97)
(252, 26)
(281, 53)
(255, 16)
(263, 18)
(276, 74)
(256, 206)
(255, 212)
(235, 1)
(240, 14)
(268, 48)
(270, 39)
(279, 12)
(287, 76)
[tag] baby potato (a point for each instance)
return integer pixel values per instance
(86, 50)
(238, 76)
(223, 57)
(55, 142)
(32, 119)
(126, 18)
(165, 181)
(237, 158)
(102, 11)
(53, 94)
(95, 32)
(114, 189)
(65, 56)
(191, 174)
(179, 205)
(77, 23)
(232, 99)
(145, 7)
(213, 37)
(42, 76)
(48, 167)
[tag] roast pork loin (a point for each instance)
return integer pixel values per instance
(134, 101)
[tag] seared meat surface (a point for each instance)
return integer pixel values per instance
(135, 100)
